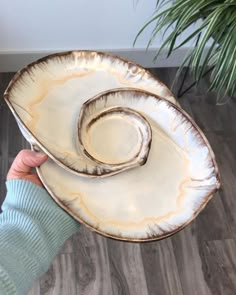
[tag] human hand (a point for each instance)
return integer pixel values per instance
(21, 167)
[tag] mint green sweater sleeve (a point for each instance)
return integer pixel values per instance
(32, 230)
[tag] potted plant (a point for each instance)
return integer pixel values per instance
(215, 35)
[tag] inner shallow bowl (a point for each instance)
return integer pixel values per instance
(116, 138)
(113, 136)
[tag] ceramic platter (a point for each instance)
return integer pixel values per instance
(124, 158)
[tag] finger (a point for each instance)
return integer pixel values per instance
(24, 161)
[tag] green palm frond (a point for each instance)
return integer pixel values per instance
(217, 43)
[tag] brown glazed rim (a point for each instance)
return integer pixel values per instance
(66, 53)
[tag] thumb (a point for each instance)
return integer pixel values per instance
(24, 161)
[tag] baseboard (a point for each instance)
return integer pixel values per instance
(14, 61)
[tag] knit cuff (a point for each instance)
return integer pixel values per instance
(34, 200)
(33, 228)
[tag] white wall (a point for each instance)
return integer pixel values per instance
(30, 29)
(64, 24)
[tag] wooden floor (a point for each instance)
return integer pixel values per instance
(199, 260)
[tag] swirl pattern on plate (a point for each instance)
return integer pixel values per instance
(114, 138)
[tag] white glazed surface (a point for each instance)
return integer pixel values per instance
(144, 203)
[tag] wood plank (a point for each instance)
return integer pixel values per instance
(92, 267)
(60, 279)
(126, 267)
(160, 267)
(189, 264)
(219, 266)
